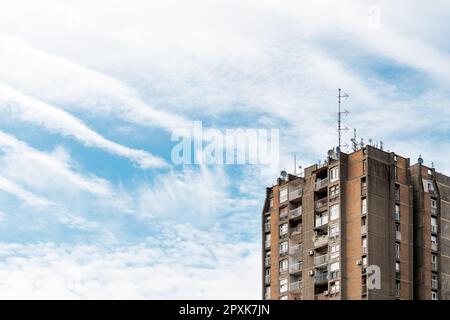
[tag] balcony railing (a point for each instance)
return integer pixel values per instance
(434, 266)
(294, 213)
(320, 241)
(434, 246)
(295, 267)
(363, 190)
(295, 286)
(321, 203)
(295, 250)
(398, 235)
(296, 230)
(321, 183)
(267, 227)
(320, 278)
(333, 197)
(364, 229)
(295, 194)
(267, 262)
(434, 211)
(321, 260)
(267, 244)
(434, 284)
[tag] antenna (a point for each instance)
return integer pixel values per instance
(381, 145)
(295, 163)
(340, 113)
(353, 140)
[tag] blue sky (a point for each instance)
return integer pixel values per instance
(91, 205)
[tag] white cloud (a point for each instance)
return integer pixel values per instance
(29, 109)
(41, 170)
(186, 264)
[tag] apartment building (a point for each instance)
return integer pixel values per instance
(364, 225)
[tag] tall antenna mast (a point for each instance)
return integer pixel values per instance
(340, 113)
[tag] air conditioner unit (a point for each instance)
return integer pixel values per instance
(358, 262)
(311, 253)
(311, 272)
(325, 292)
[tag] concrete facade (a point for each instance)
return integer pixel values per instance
(332, 225)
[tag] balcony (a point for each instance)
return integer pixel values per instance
(434, 246)
(295, 268)
(295, 194)
(397, 196)
(434, 266)
(267, 227)
(266, 280)
(321, 184)
(364, 229)
(321, 278)
(434, 211)
(284, 214)
(398, 235)
(364, 191)
(321, 204)
(267, 244)
(397, 216)
(363, 250)
(320, 241)
(267, 295)
(334, 197)
(295, 286)
(434, 229)
(321, 296)
(434, 284)
(320, 260)
(364, 289)
(295, 250)
(267, 262)
(295, 213)
(296, 230)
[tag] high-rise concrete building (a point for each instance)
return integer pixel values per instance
(364, 225)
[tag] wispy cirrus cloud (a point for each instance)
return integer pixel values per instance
(28, 109)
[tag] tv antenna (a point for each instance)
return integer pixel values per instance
(342, 95)
(354, 142)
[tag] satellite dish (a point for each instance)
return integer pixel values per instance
(420, 160)
(338, 149)
(330, 152)
(283, 174)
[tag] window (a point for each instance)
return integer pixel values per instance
(283, 247)
(434, 295)
(334, 270)
(283, 213)
(364, 206)
(397, 288)
(434, 262)
(364, 245)
(434, 239)
(430, 172)
(395, 171)
(283, 285)
(397, 250)
(334, 231)
(335, 287)
(334, 251)
(397, 212)
(267, 259)
(267, 276)
(334, 191)
(397, 267)
(363, 186)
(283, 265)
(321, 219)
(283, 194)
(334, 212)
(283, 229)
(364, 166)
(334, 174)
(267, 243)
(397, 192)
(364, 262)
(271, 202)
(433, 224)
(433, 203)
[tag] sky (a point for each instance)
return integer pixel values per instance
(92, 204)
